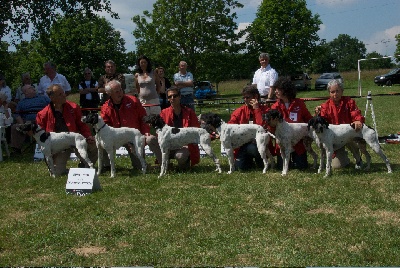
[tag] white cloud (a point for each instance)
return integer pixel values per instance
(383, 42)
(322, 28)
(335, 3)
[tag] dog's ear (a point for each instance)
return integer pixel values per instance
(175, 130)
(44, 136)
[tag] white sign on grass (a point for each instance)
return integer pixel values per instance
(82, 181)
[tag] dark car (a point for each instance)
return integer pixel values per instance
(392, 77)
(204, 90)
(301, 81)
(322, 82)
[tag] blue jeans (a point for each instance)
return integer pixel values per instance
(188, 101)
(247, 153)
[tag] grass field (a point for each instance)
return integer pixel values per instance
(201, 218)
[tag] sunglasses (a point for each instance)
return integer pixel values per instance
(173, 95)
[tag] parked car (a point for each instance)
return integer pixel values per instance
(301, 81)
(392, 77)
(204, 90)
(322, 82)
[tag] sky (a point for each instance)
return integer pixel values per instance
(374, 22)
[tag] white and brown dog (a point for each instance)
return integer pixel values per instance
(332, 137)
(287, 135)
(110, 139)
(233, 136)
(51, 143)
(171, 138)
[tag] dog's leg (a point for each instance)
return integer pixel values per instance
(323, 153)
(263, 150)
(50, 165)
(209, 151)
(111, 155)
(138, 151)
(285, 154)
(82, 154)
(164, 162)
(307, 144)
(328, 155)
(355, 151)
(374, 144)
(362, 148)
(100, 151)
(231, 158)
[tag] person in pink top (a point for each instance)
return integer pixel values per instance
(339, 109)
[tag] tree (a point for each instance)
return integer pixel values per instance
(397, 53)
(323, 61)
(286, 30)
(28, 57)
(376, 62)
(78, 41)
(192, 30)
(18, 16)
(346, 52)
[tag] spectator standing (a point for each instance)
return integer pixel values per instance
(26, 110)
(51, 77)
(265, 77)
(184, 81)
(61, 115)
(247, 156)
(88, 87)
(4, 88)
(180, 116)
(26, 80)
(293, 110)
(111, 74)
(126, 111)
(147, 85)
(339, 109)
(165, 84)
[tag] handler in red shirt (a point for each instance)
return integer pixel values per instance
(293, 110)
(122, 110)
(250, 113)
(337, 110)
(181, 116)
(61, 115)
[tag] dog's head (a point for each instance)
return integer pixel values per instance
(318, 123)
(92, 119)
(272, 117)
(28, 126)
(154, 120)
(210, 122)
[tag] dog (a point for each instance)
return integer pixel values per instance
(171, 138)
(287, 135)
(332, 137)
(51, 143)
(110, 139)
(233, 136)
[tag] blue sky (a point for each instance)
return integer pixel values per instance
(374, 22)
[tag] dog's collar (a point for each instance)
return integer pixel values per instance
(101, 128)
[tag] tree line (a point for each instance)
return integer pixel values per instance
(201, 32)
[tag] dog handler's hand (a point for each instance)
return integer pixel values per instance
(317, 110)
(357, 125)
(90, 139)
(254, 103)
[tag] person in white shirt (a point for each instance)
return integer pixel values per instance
(51, 77)
(265, 77)
(4, 88)
(26, 80)
(184, 81)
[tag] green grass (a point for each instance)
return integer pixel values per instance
(203, 218)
